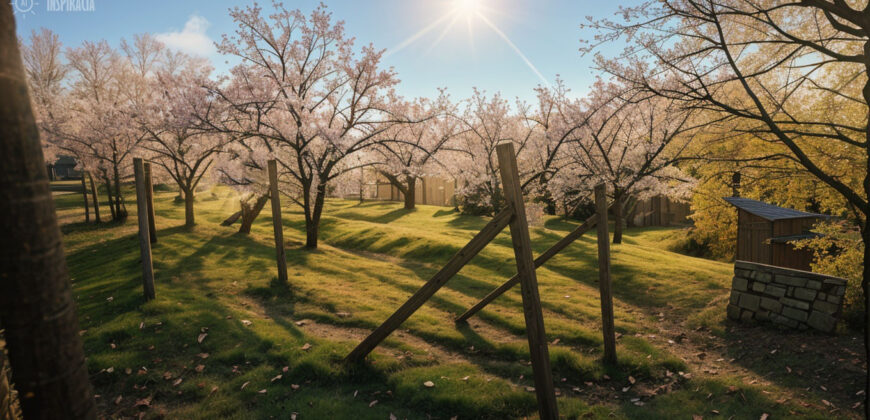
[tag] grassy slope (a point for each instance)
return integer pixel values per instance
(212, 280)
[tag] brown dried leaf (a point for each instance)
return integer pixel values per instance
(201, 337)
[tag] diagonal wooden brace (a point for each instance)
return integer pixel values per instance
(484, 237)
(543, 258)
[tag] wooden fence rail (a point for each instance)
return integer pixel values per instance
(474, 246)
(514, 215)
(543, 258)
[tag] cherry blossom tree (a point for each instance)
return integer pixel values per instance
(171, 117)
(95, 122)
(411, 150)
(557, 120)
(487, 121)
(632, 141)
(305, 95)
(46, 72)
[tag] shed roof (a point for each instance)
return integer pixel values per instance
(65, 160)
(769, 211)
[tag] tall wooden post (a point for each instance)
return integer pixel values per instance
(277, 222)
(144, 235)
(522, 244)
(94, 196)
(604, 275)
(85, 197)
(149, 195)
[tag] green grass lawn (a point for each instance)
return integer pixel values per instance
(223, 340)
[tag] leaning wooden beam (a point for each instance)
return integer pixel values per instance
(277, 222)
(604, 276)
(538, 352)
(149, 195)
(485, 236)
(144, 235)
(543, 258)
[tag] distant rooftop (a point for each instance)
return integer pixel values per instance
(769, 211)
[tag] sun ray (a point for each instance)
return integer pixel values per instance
(443, 33)
(410, 40)
(514, 47)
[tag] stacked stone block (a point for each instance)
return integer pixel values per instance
(786, 297)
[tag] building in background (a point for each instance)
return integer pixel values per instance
(433, 191)
(765, 233)
(63, 168)
(659, 211)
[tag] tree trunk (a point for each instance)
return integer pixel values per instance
(189, 220)
(249, 213)
(312, 224)
(617, 217)
(232, 219)
(85, 197)
(94, 197)
(865, 237)
(865, 287)
(410, 192)
(111, 202)
(120, 207)
(37, 308)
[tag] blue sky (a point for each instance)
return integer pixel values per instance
(546, 32)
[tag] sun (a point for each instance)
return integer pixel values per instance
(467, 7)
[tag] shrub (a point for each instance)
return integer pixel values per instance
(839, 252)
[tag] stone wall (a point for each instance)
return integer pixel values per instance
(786, 297)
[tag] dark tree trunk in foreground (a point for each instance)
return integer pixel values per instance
(36, 302)
(8, 401)
(250, 212)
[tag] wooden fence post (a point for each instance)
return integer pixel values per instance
(604, 275)
(149, 195)
(522, 243)
(94, 197)
(277, 222)
(85, 196)
(144, 235)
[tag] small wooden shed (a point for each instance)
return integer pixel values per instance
(659, 211)
(765, 233)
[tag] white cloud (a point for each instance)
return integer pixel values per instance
(192, 39)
